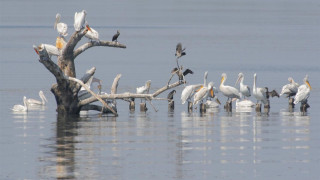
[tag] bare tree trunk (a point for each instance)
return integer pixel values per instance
(66, 90)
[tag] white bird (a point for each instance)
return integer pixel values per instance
(213, 104)
(37, 102)
(92, 34)
(144, 89)
(62, 28)
(189, 91)
(244, 89)
(202, 94)
(79, 20)
(290, 89)
(259, 93)
(51, 50)
(303, 92)
(228, 91)
(21, 108)
(244, 103)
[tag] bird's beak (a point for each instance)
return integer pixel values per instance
(238, 80)
(36, 49)
(222, 78)
(309, 84)
(199, 89)
(88, 27)
(217, 100)
(211, 92)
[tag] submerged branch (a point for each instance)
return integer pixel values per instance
(94, 95)
(88, 45)
(95, 108)
(131, 95)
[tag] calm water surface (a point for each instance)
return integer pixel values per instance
(275, 39)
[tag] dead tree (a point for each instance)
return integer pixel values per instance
(68, 86)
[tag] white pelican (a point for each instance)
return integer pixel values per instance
(189, 91)
(202, 94)
(144, 89)
(21, 108)
(51, 50)
(62, 28)
(92, 34)
(60, 42)
(244, 89)
(79, 20)
(244, 103)
(228, 91)
(37, 102)
(303, 92)
(115, 37)
(290, 89)
(259, 93)
(213, 104)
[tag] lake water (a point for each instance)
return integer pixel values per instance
(275, 39)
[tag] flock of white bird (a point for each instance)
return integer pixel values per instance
(30, 102)
(80, 23)
(202, 92)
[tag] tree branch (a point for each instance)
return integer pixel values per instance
(88, 45)
(53, 68)
(85, 78)
(73, 41)
(94, 95)
(94, 107)
(131, 95)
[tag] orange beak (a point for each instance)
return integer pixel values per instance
(309, 85)
(36, 51)
(87, 26)
(211, 92)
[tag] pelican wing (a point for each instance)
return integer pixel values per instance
(201, 94)
(302, 94)
(62, 29)
(34, 102)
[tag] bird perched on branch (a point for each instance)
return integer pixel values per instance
(179, 52)
(180, 73)
(303, 92)
(290, 89)
(115, 37)
(273, 93)
(144, 89)
(244, 89)
(170, 95)
(79, 20)
(228, 91)
(50, 49)
(91, 34)
(62, 28)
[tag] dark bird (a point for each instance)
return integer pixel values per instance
(180, 73)
(273, 93)
(179, 51)
(115, 37)
(170, 95)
